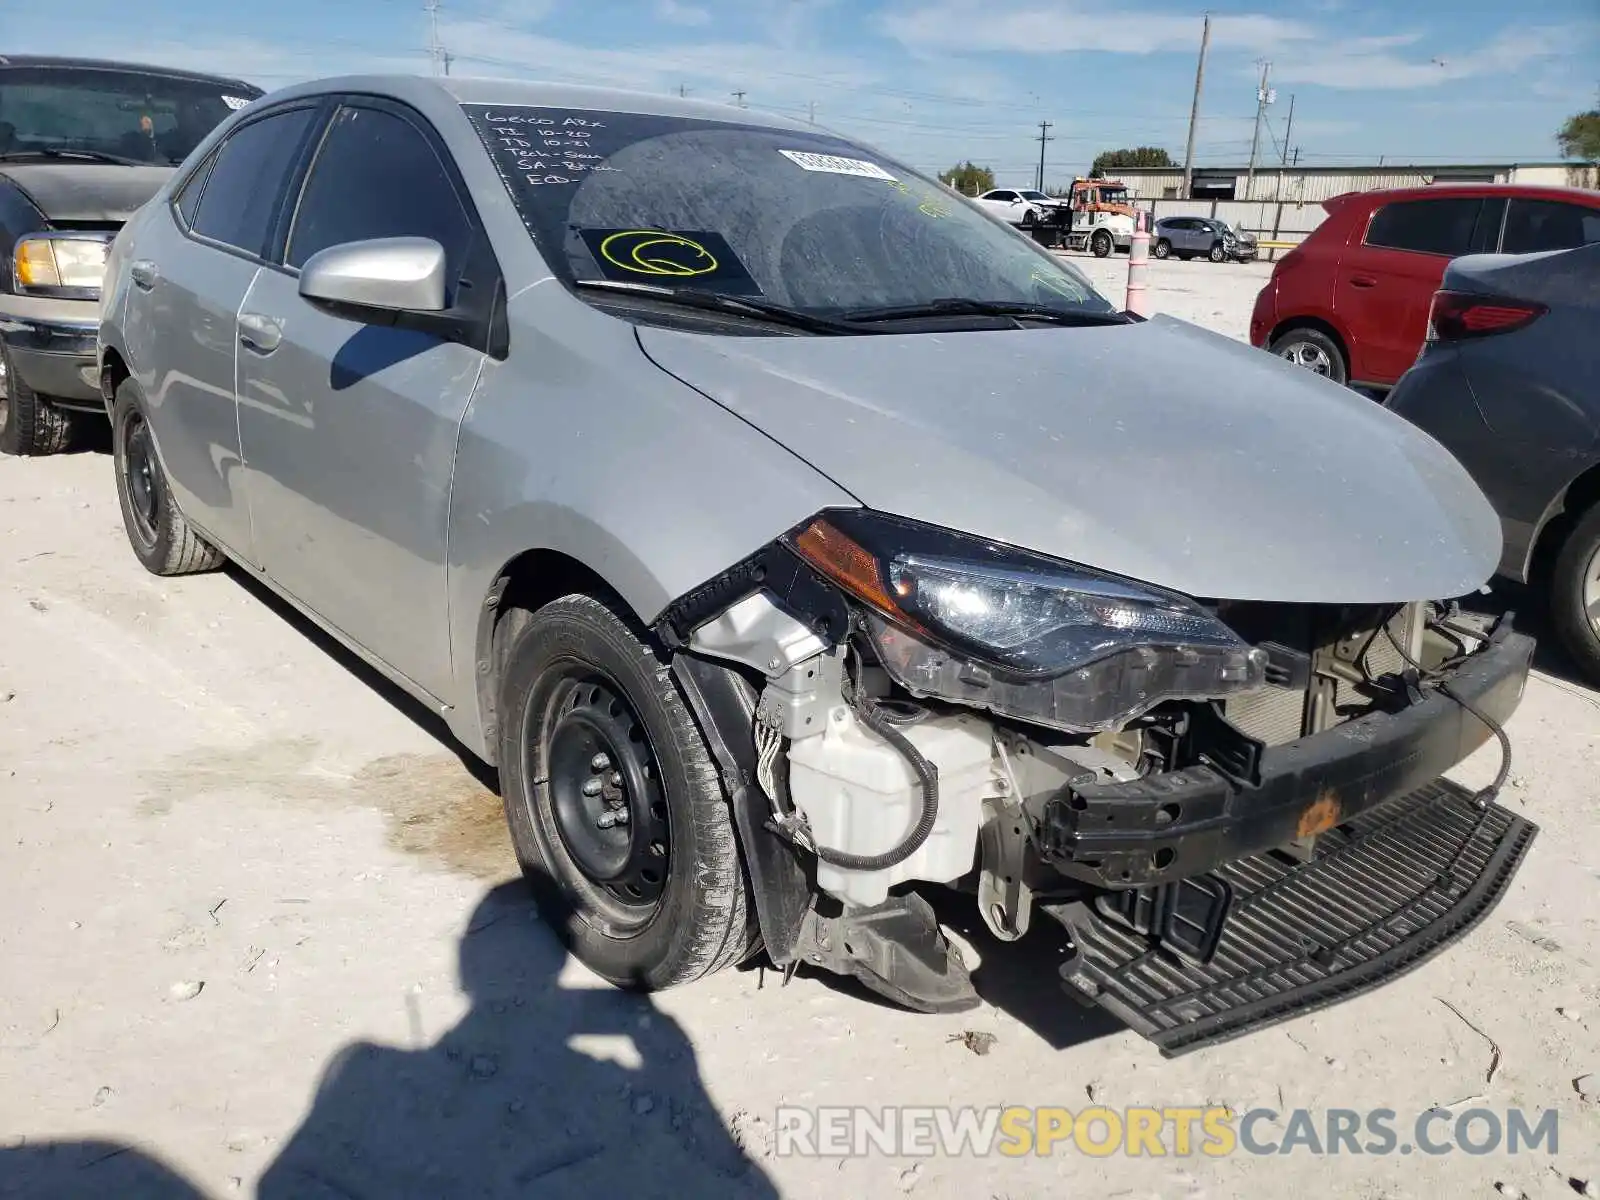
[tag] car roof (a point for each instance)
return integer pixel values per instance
(467, 89)
(111, 64)
(1526, 191)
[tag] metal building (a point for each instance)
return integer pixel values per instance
(1311, 185)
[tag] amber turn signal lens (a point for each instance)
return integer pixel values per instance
(847, 564)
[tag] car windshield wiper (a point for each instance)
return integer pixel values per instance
(721, 302)
(85, 155)
(948, 306)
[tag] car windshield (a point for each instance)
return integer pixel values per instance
(802, 219)
(119, 113)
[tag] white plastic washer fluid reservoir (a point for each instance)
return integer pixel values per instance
(862, 797)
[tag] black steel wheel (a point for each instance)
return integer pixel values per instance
(605, 792)
(616, 810)
(1101, 244)
(162, 540)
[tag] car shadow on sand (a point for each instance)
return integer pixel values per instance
(539, 1090)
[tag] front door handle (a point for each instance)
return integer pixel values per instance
(1363, 281)
(143, 273)
(259, 333)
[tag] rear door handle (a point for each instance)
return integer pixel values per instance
(143, 273)
(1363, 281)
(259, 333)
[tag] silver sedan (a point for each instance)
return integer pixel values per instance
(781, 526)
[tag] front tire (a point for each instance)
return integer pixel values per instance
(30, 425)
(615, 807)
(1575, 595)
(1218, 254)
(161, 539)
(1101, 244)
(1163, 248)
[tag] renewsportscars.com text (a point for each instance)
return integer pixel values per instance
(1157, 1132)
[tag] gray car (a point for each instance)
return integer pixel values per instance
(790, 536)
(1507, 381)
(1201, 237)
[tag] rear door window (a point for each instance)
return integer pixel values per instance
(377, 176)
(1443, 226)
(242, 189)
(1535, 225)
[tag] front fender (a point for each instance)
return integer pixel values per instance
(579, 444)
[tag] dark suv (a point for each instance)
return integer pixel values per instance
(1351, 302)
(83, 143)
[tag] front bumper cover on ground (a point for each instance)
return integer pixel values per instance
(1184, 823)
(1383, 893)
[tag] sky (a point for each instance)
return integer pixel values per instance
(936, 82)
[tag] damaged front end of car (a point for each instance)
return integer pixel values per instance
(1234, 808)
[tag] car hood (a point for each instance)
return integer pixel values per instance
(1157, 451)
(80, 191)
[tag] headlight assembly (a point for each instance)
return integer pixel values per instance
(57, 263)
(1022, 634)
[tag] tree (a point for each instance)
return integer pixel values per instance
(1139, 156)
(1580, 137)
(969, 179)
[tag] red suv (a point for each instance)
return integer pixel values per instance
(1351, 301)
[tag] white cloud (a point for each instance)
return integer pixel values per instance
(975, 25)
(1371, 64)
(675, 12)
(1300, 51)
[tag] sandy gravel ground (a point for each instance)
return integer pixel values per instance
(253, 940)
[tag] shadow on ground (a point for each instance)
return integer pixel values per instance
(1022, 978)
(539, 1091)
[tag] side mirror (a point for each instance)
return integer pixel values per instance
(391, 274)
(1016, 199)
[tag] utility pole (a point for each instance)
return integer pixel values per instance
(435, 49)
(448, 59)
(1287, 130)
(1296, 162)
(1044, 136)
(1263, 98)
(1194, 112)
(811, 111)
(738, 98)
(682, 91)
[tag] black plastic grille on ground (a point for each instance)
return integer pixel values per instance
(1383, 893)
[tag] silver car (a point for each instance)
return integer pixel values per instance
(1201, 237)
(794, 538)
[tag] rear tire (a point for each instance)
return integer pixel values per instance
(1163, 248)
(30, 426)
(1575, 590)
(1313, 350)
(651, 902)
(161, 539)
(1101, 244)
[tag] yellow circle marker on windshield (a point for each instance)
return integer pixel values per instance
(655, 252)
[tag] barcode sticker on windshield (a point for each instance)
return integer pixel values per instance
(235, 102)
(832, 164)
